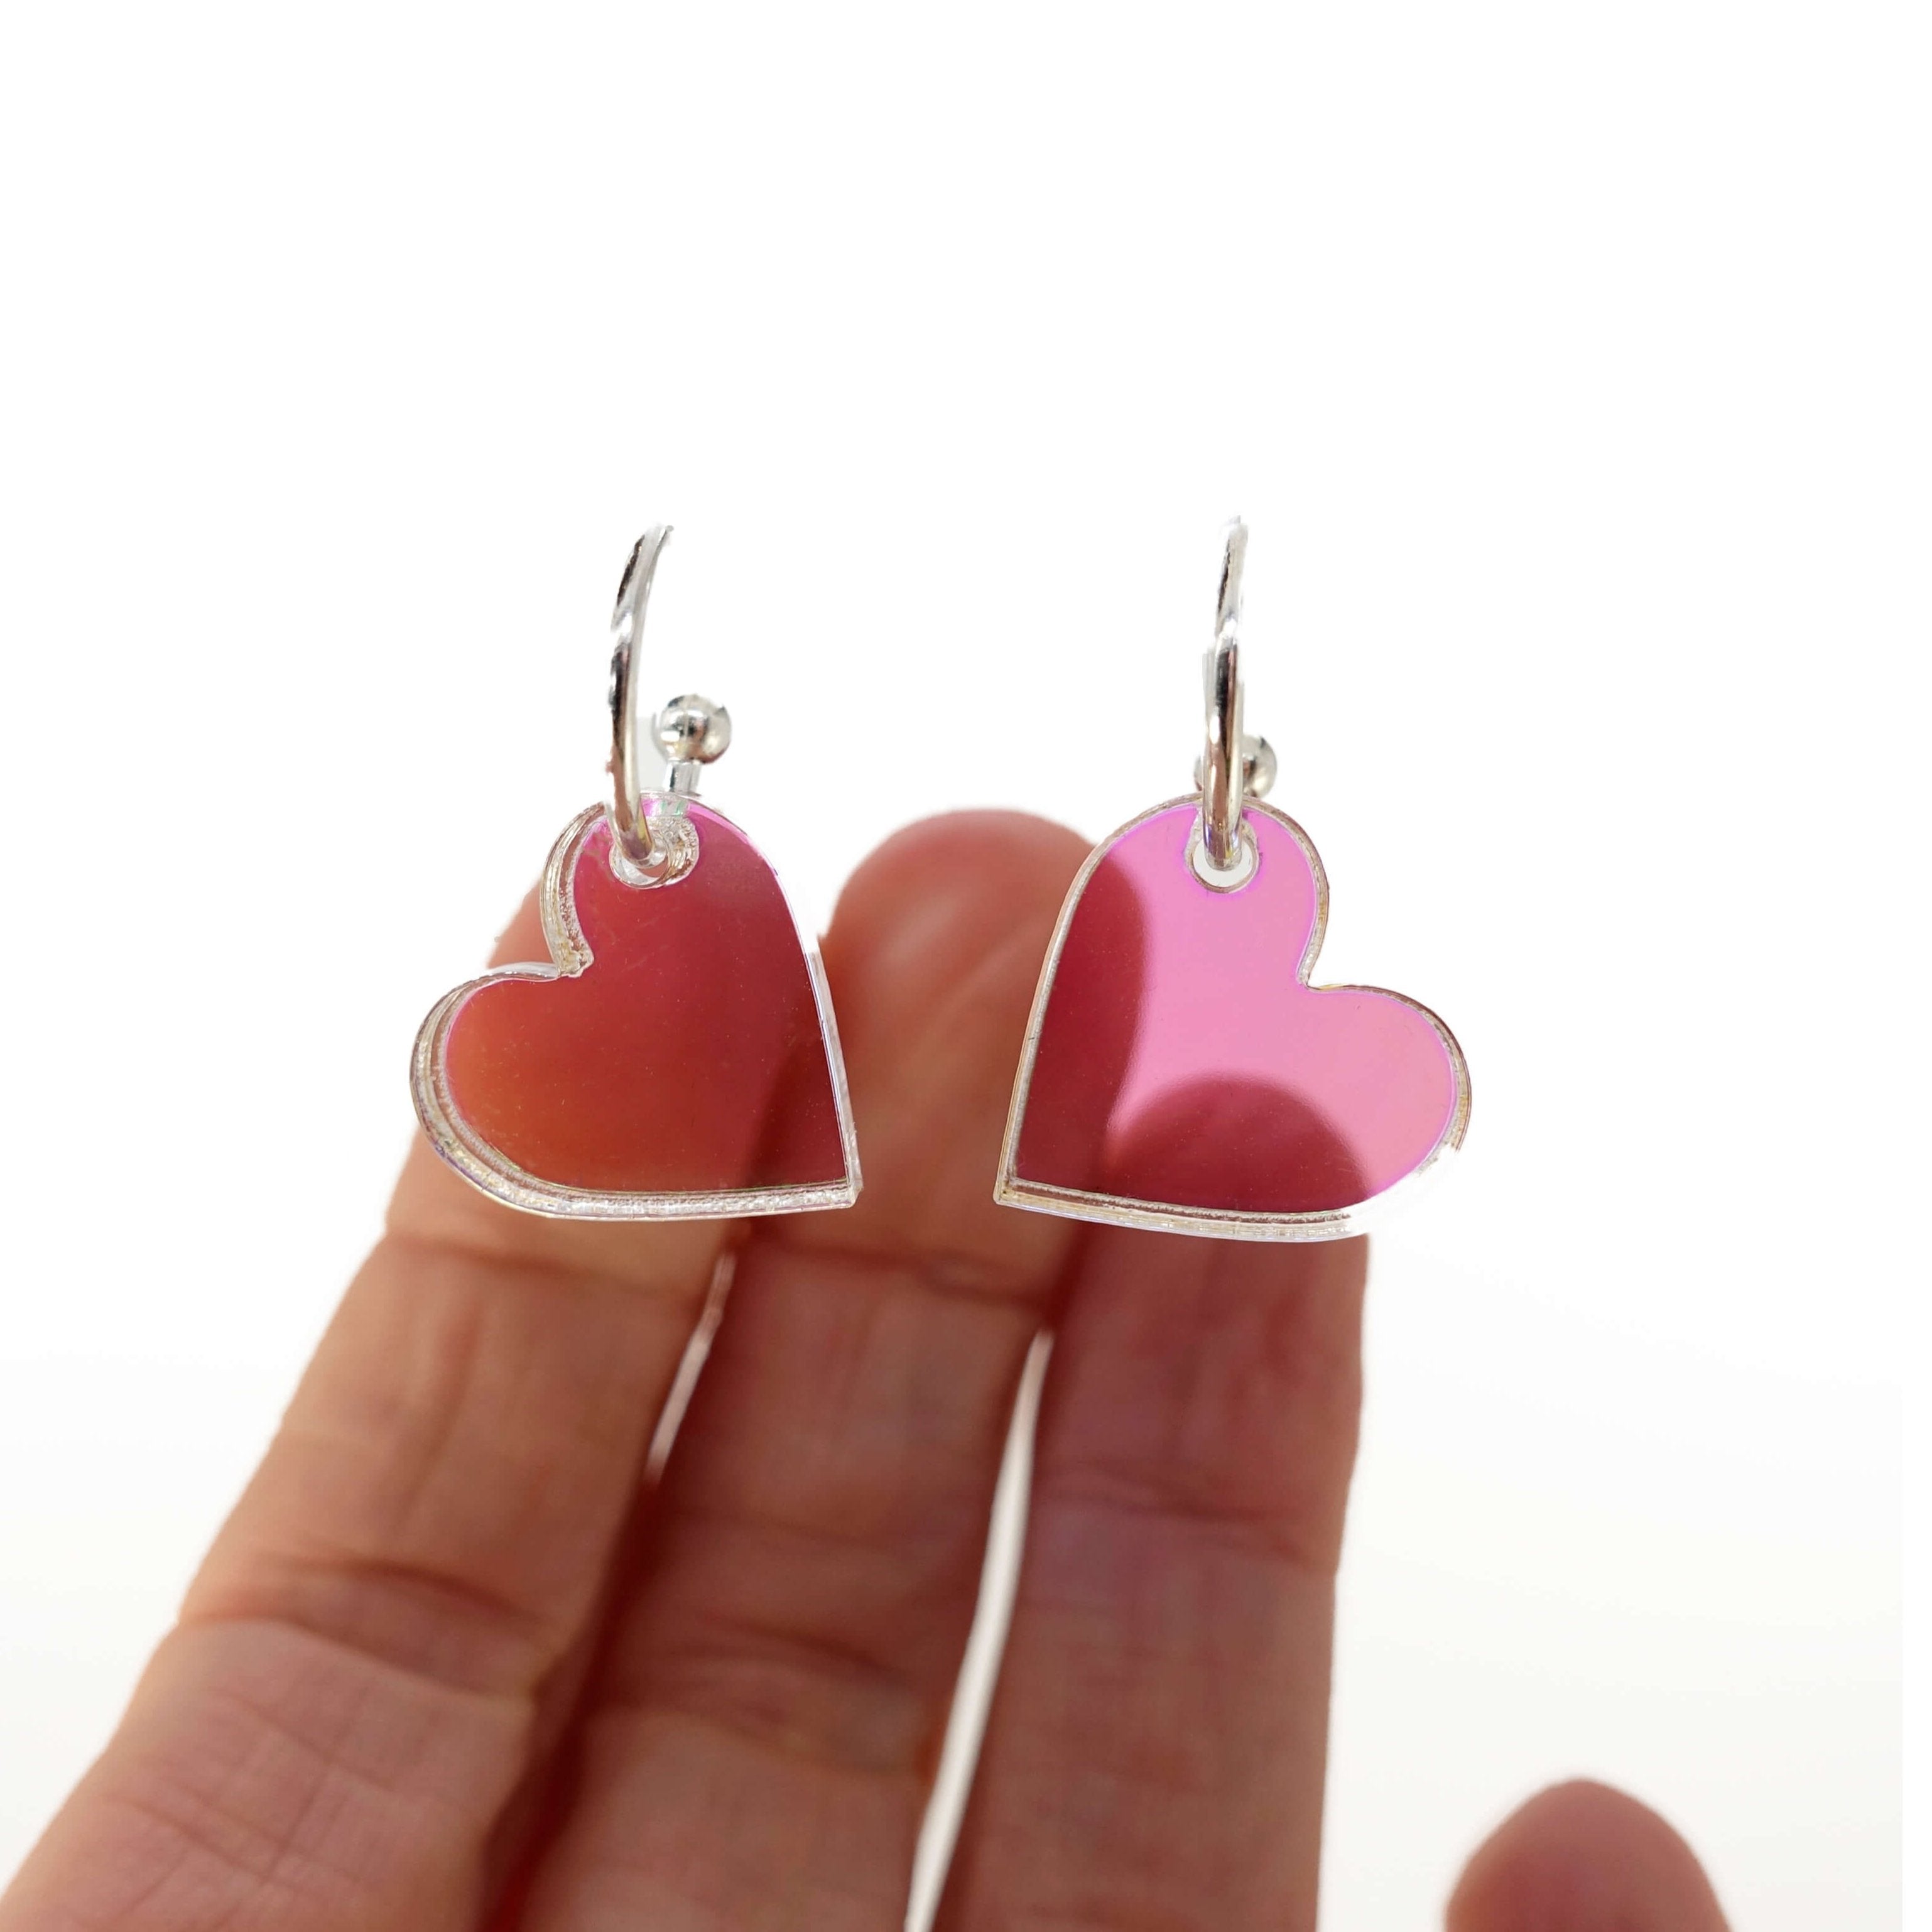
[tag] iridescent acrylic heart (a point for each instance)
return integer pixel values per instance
(676, 1056)
(1172, 1007)
(1178, 1071)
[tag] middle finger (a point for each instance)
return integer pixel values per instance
(758, 1749)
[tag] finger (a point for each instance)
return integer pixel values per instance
(381, 1633)
(759, 1750)
(1587, 1858)
(1156, 1750)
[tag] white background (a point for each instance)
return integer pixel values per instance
(1567, 363)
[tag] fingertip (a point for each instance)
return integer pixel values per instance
(949, 916)
(1584, 1857)
(933, 955)
(522, 941)
(960, 863)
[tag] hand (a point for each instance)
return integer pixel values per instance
(461, 1658)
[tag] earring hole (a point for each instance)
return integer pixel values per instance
(1219, 879)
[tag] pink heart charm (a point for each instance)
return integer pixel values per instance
(675, 1057)
(1179, 1072)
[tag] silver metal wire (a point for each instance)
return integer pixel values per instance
(687, 734)
(1234, 767)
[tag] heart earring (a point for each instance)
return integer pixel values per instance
(677, 1058)
(1178, 1070)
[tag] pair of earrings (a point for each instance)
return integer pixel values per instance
(677, 1057)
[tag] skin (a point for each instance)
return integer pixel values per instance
(461, 1657)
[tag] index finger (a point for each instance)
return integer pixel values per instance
(365, 1663)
